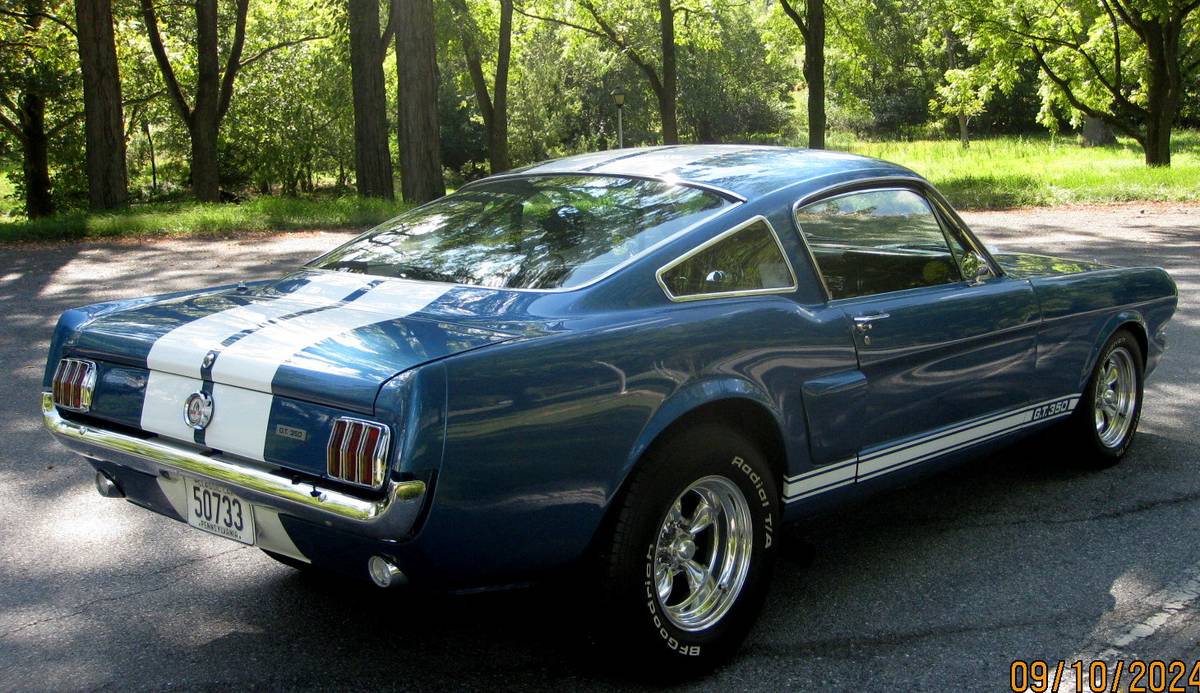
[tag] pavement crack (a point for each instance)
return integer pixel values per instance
(85, 606)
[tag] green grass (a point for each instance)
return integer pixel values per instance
(1003, 172)
(195, 219)
(6, 192)
(995, 173)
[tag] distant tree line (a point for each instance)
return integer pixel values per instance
(107, 101)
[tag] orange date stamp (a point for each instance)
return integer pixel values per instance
(1132, 676)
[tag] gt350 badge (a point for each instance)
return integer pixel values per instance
(294, 433)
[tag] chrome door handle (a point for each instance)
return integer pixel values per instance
(862, 323)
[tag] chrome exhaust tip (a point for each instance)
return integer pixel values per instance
(384, 573)
(107, 487)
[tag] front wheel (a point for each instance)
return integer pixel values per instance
(1111, 407)
(692, 551)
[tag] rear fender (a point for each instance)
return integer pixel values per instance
(704, 392)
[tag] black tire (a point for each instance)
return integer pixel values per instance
(642, 630)
(289, 561)
(1085, 438)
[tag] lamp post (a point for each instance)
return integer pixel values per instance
(618, 97)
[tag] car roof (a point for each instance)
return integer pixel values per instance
(746, 171)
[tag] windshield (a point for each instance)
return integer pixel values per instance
(540, 232)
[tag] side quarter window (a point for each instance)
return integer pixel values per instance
(877, 241)
(744, 260)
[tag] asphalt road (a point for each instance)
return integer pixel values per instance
(938, 585)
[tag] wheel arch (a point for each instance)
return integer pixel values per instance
(734, 402)
(1129, 320)
(715, 400)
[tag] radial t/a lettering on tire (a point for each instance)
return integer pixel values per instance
(692, 550)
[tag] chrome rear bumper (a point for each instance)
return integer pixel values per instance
(390, 517)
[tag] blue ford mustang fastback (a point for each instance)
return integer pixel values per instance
(641, 362)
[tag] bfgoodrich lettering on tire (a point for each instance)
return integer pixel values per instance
(692, 550)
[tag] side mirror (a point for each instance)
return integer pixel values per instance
(976, 269)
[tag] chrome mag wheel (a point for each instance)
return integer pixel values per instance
(1116, 397)
(703, 553)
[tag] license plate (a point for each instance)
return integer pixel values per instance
(214, 509)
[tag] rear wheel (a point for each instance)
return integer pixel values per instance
(691, 552)
(1108, 414)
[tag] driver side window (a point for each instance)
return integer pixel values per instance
(877, 241)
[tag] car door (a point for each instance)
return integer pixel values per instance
(943, 354)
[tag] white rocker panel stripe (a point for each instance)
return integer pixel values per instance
(820, 480)
(924, 448)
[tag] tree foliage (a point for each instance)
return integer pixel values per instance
(253, 97)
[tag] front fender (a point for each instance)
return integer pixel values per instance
(1105, 333)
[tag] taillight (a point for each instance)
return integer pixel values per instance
(74, 382)
(357, 452)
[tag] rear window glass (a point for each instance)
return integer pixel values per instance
(540, 232)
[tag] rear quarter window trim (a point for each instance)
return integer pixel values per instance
(795, 284)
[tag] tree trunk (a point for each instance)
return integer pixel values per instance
(372, 159)
(104, 121)
(667, 102)
(814, 72)
(494, 110)
(416, 77)
(153, 161)
(1157, 146)
(964, 137)
(498, 132)
(206, 183)
(1096, 133)
(213, 91)
(1163, 92)
(36, 156)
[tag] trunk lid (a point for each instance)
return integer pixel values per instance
(324, 337)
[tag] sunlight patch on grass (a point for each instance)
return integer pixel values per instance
(1033, 171)
(6, 191)
(192, 219)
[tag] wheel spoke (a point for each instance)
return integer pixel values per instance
(677, 512)
(702, 517)
(664, 579)
(702, 584)
(1110, 376)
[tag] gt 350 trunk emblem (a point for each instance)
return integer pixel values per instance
(198, 410)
